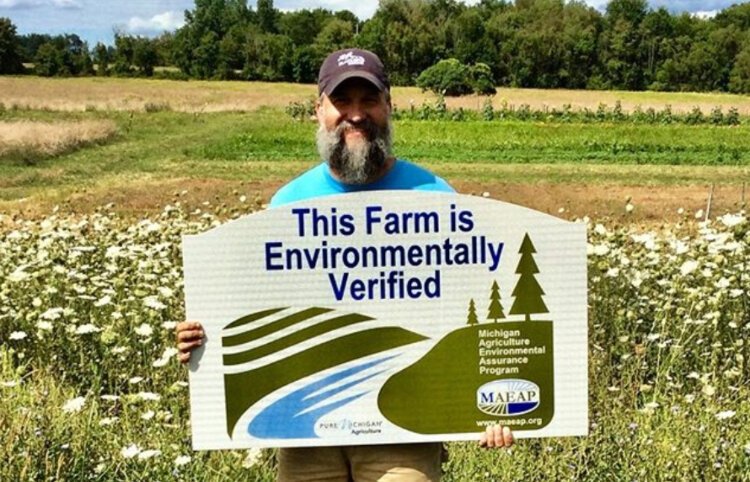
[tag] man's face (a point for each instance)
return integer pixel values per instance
(354, 134)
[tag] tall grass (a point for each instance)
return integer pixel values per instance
(32, 140)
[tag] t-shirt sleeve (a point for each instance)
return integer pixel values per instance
(440, 185)
(281, 197)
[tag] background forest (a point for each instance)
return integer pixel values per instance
(527, 43)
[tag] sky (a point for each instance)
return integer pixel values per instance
(96, 20)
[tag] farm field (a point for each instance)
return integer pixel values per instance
(98, 93)
(584, 168)
(92, 211)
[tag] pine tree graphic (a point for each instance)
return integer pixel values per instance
(527, 292)
(495, 309)
(472, 319)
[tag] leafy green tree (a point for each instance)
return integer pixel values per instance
(335, 35)
(197, 44)
(447, 77)
(348, 16)
(83, 62)
(495, 310)
(49, 61)
(144, 56)
(481, 79)
(10, 55)
(102, 59)
(206, 56)
(466, 37)
(703, 67)
(405, 34)
(164, 45)
(538, 45)
(472, 318)
(737, 15)
(29, 45)
(739, 81)
(527, 293)
(500, 30)
(543, 43)
(673, 72)
(63, 55)
(306, 62)
(623, 55)
(231, 52)
(124, 52)
(657, 29)
(267, 16)
(269, 58)
(725, 43)
(581, 33)
(301, 26)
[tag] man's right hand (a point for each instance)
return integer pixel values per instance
(190, 336)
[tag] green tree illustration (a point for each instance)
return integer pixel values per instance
(472, 319)
(527, 292)
(495, 309)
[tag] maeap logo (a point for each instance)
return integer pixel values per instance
(508, 397)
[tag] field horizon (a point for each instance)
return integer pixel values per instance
(197, 96)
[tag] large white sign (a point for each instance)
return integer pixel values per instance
(387, 317)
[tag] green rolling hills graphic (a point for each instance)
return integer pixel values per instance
(243, 390)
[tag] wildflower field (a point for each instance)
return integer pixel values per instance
(90, 388)
(91, 277)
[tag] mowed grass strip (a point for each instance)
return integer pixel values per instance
(28, 140)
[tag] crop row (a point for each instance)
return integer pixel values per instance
(439, 110)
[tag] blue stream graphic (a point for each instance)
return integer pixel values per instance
(284, 419)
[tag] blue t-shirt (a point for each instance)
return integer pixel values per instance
(318, 181)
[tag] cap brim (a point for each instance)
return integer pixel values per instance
(353, 74)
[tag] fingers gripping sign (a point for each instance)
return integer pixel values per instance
(496, 436)
(190, 335)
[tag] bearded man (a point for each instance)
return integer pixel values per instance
(355, 143)
(355, 134)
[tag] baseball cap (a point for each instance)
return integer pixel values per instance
(348, 63)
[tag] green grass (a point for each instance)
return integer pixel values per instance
(268, 145)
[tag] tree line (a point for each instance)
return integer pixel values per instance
(528, 43)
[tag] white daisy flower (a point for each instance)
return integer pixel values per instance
(147, 454)
(74, 405)
(130, 451)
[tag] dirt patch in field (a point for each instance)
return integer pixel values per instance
(569, 201)
(609, 202)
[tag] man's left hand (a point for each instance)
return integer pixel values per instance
(496, 436)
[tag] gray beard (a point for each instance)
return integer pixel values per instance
(360, 163)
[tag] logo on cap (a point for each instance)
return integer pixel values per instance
(350, 59)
